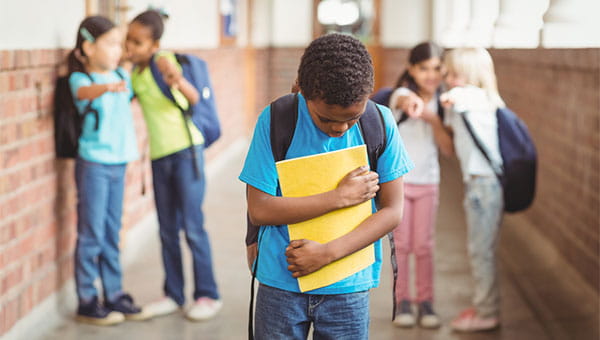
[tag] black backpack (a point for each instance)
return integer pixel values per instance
(284, 114)
(67, 120)
(519, 159)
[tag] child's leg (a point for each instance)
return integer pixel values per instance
(484, 206)
(281, 315)
(191, 189)
(403, 248)
(166, 200)
(342, 316)
(110, 267)
(425, 211)
(92, 200)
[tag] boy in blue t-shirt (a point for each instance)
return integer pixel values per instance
(335, 78)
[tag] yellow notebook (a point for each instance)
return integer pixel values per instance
(310, 175)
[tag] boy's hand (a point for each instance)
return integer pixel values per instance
(169, 71)
(306, 256)
(116, 87)
(357, 186)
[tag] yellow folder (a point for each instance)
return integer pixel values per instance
(310, 175)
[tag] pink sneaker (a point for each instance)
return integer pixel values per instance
(468, 321)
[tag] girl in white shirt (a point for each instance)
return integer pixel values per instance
(415, 104)
(474, 95)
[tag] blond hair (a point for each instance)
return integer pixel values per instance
(476, 66)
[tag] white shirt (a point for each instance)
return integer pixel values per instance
(419, 142)
(475, 104)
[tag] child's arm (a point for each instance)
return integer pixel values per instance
(441, 134)
(94, 91)
(410, 103)
(356, 187)
(305, 256)
(175, 79)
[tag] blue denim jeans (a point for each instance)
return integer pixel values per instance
(484, 205)
(178, 194)
(284, 315)
(99, 208)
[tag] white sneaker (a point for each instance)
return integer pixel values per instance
(164, 306)
(204, 308)
(404, 317)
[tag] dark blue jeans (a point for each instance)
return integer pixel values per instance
(99, 208)
(179, 193)
(284, 315)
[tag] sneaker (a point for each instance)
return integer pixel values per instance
(204, 308)
(164, 306)
(95, 313)
(404, 317)
(468, 321)
(124, 304)
(427, 317)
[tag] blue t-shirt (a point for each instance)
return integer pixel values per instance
(114, 142)
(259, 171)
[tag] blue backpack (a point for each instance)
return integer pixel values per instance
(204, 112)
(519, 159)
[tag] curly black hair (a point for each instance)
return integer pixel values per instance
(337, 69)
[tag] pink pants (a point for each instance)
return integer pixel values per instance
(415, 235)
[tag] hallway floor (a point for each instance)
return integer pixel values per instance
(225, 220)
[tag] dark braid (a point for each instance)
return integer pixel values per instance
(337, 69)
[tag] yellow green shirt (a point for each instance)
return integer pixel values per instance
(164, 120)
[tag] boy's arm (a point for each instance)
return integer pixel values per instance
(356, 187)
(305, 256)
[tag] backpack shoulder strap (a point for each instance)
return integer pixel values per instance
(372, 128)
(284, 114)
(164, 88)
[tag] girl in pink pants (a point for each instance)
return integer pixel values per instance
(416, 106)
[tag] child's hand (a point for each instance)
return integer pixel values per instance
(116, 87)
(357, 186)
(446, 100)
(169, 71)
(412, 105)
(306, 256)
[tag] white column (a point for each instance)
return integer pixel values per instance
(572, 23)
(458, 13)
(519, 23)
(481, 26)
(405, 23)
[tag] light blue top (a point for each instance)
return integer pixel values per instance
(259, 171)
(114, 142)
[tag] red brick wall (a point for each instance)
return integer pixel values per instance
(37, 191)
(557, 94)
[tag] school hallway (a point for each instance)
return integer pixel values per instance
(225, 220)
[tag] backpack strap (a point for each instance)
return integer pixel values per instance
(89, 109)
(372, 128)
(284, 114)
(481, 147)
